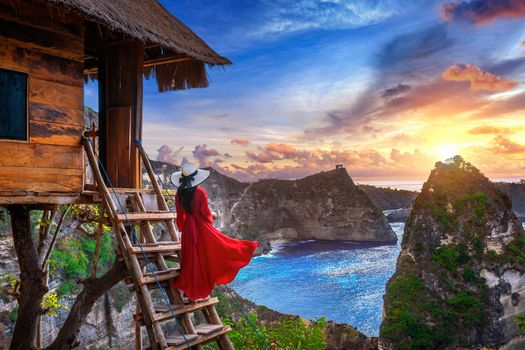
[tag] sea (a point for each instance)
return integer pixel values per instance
(342, 281)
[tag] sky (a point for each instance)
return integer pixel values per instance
(384, 87)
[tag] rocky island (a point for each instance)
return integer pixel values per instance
(459, 280)
(324, 206)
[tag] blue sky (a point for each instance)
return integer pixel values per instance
(315, 83)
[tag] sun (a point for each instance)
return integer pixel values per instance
(446, 151)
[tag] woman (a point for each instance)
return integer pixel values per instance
(208, 257)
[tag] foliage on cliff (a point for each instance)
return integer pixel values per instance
(286, 331)
(437, 299)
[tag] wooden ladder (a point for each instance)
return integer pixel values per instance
(134, 212)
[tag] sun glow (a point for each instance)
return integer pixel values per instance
(446, 151)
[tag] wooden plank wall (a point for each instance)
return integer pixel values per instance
(49, 46)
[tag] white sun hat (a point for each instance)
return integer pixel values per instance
(189, 171)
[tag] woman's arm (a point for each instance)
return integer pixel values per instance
(204, 207)
(181, 215)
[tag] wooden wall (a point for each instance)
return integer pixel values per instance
(50, 51)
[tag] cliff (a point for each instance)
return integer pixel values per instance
(327, 206)
(516, 192)
(389, 198)
(459, 280)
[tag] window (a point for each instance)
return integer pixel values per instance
(13, 105)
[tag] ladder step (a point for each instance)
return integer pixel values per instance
(175, 343)
(163, 313)
(146, 216)
(206, 328)
(160, 247)
(162, 276)
(179, 339)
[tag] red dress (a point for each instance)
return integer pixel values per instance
(208, 257)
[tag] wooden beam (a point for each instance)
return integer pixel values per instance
(123, 89)
(166, 60)
(66, 198)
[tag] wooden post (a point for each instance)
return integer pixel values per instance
(123, 89)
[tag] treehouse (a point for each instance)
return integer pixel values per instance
(47, 49)
(49, 156)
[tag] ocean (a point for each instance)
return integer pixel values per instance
(343, 281)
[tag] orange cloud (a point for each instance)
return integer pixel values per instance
(240, 142)
(503, 145)
(482, 11)
(478, 79)
(488, 129)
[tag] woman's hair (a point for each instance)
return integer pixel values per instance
(186, 193)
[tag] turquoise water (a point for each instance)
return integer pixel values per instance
(343, 281)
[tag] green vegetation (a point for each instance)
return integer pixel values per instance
(289, 333)
(121, 296)
(51, 304)
(520, 320)
(452, 256)
(514, 252)
(469, 275)
(73, 260)
(465, 306)
(405, 322)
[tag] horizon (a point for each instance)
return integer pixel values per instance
(409, 185)
(387, 88)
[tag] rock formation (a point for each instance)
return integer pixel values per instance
(327, 205)
(459, 280)
(516, 192)
(389, 198)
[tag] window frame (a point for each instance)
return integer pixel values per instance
(27, 137)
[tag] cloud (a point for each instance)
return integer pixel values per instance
(167, 155)
(482, 11)
(262, 157)
(395, 91)
(202, 153)
(488, 129)
(240, 142)
(280, 17)
(478, 79)
(501, 107)
(507, 66)
(415, 45)
(403, 59)
(299, 163)
(502, 145)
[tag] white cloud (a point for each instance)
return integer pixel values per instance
(284, 17)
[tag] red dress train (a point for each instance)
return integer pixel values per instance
(208, 257)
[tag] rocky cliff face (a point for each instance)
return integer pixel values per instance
(516, 192)
(327, 206)
(388, 198)
(459, 280)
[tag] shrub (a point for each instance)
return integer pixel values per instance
(406, 309)
(520, 320)
(452, 256)
(467, 306)
(469, 275)
(289, 333)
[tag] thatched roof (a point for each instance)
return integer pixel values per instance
(150, 22)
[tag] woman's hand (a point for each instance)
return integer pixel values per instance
(214, 215)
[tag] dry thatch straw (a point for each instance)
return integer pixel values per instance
(150, 22)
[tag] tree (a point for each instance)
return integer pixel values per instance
(32, 259)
